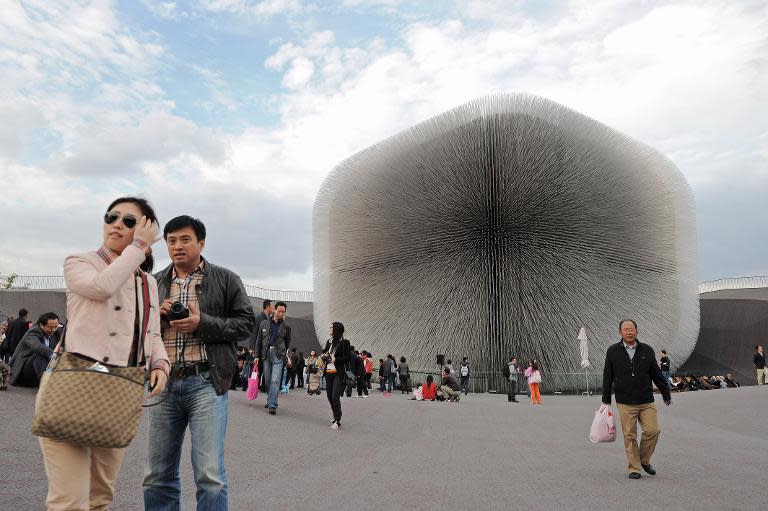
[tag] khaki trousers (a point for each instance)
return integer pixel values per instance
(649, 422)
(448, 392)
(762, 376)
(79, 478)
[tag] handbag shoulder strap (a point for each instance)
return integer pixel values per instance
(60, 346)
(146, 306)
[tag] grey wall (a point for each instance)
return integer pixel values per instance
(36, 302)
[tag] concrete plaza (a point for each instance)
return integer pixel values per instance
(481, 453)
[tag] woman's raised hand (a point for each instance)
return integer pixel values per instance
(146, 231)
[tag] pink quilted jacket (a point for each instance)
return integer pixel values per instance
(101, 308)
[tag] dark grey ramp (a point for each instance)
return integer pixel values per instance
(730, 329)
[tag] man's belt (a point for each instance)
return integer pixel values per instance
(185, 371)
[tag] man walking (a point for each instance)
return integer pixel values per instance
(266, 312)
(464, 373)
(205, 312)
(510, 373)
(272, 343)
(34, 352)
(759, 359)
(630, 367)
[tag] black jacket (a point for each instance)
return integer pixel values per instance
(759, 361)
(631, 379)
(32, 345)
(282, 343)
(226, 317)
(260, 317)
(16, 330)
(343, 356)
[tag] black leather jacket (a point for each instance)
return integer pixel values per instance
(226, 317)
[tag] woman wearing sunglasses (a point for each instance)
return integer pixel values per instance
(104, 305)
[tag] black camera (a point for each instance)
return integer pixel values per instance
(178, 311)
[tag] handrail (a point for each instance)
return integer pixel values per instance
(733, 283)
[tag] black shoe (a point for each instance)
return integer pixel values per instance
(273, 411)
(634, 475)
(266, 406)
(649, 469)
(515, 401)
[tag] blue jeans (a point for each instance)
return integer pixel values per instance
(192, 402)
(273, 374)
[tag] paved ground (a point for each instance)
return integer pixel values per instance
(479, 454)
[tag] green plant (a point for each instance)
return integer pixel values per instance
(8, 284)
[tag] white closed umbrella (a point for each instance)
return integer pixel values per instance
(584, 348)
(584, 351)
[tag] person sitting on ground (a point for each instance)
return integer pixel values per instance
(449, 386)
(429, 389)
(34, 352)
(730, 381)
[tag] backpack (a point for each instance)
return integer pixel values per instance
(506, 371)
(465, 370)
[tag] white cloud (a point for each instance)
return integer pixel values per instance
(166, 10)
(265, 8)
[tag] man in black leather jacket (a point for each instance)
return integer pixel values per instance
(205, 311)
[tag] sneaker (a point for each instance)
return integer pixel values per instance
(649, 469)
(335, 425)
(273, 411)
(634, 475)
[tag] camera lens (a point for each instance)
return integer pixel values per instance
(177, 307)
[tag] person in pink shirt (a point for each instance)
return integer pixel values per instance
(533, 375)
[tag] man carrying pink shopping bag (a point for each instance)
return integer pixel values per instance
(603, 426)
(631, 370)
(253, 383)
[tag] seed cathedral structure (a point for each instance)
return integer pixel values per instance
(500, 228)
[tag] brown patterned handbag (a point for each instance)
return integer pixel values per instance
(86, 403)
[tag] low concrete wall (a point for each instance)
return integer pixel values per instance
(36, 302)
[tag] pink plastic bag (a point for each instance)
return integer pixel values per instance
(253, 384)
(604, 425)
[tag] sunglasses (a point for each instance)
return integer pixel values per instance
(128, 220)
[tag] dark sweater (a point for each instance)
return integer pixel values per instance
(631, 379)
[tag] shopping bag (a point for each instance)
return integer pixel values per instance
(603, 426)
(418, 394)
(253, 384)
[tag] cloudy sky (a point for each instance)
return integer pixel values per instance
(235, 110)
